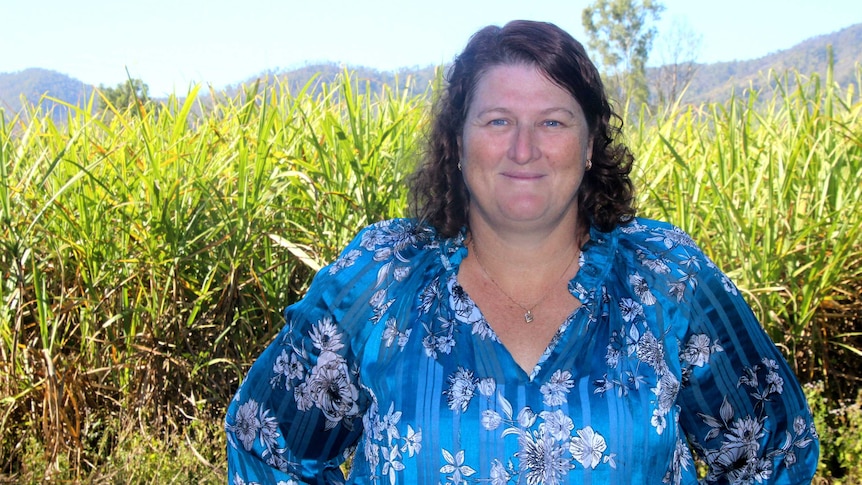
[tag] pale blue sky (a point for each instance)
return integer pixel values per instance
(171, 44)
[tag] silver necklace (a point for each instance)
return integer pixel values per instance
(528, 311)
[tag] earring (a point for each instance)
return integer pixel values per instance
(459, 166)
(589, 165)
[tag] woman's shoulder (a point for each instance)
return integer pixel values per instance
(650, 258)
(382, 251)
(395, 236)
(396, 231)
(651, 233)
(659, 245)
(399, 240)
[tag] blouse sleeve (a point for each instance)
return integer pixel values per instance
(743, 410)
(298, 412)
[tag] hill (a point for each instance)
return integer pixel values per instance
(31, 84)
(373, 80)
(710, 82)
(715, 82)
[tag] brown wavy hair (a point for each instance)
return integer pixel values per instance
(438, 195)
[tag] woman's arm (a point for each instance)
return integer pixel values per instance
(742, 407)
(299, 409)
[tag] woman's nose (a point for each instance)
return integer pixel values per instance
(523, 148)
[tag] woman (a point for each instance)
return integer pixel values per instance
(525, 326)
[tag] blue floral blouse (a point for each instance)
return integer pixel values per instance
(388, 360)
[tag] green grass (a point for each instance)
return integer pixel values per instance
(773, 195)
(147, 252)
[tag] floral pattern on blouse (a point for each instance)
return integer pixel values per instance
(389, 361)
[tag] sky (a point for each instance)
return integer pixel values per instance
(174, 44)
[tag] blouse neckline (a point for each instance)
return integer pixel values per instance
(594, 264)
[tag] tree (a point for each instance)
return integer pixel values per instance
(133, 92)
(620, 32)
(678, 51)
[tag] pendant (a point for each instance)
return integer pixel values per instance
(528, 317)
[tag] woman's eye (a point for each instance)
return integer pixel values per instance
(497, 123)
(553, 123)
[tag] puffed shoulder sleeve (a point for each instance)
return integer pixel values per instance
(742, 408)
(299, 410)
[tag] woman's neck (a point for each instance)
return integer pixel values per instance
(524, 255)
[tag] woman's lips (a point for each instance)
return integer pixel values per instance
(522, 175)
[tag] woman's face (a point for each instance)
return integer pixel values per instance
(523, 149)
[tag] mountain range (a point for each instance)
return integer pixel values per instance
(708, 82)
(715, 82)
